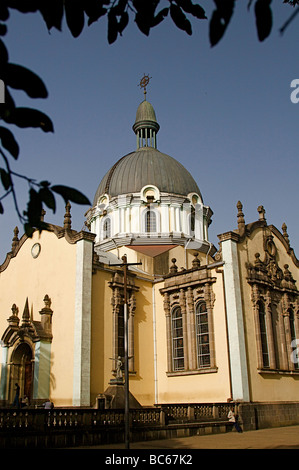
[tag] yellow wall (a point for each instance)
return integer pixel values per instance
(197, 388)
(141, 383)
(52, 273)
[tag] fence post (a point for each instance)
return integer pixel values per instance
(190, 412)
(215, 411)
(162, 417)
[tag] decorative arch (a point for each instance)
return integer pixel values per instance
(106, 228)
(26, 354)
(21, 371)
(150, 220)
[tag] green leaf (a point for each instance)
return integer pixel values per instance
(196, 10)
(28, 117)
(123, 22)
(112, 27)
(160, 17)
(220, 20)
(263, 18)
(145, 14)
(22, 78)
(94, 10)
(3, 54)
(70, 194)
(34, 208)
(180, 19)
(23, 6)
(48, 198)
(4, 12)
(3, 29)
(5, 179)
(74, 12)
(52, 13)
(9, 142)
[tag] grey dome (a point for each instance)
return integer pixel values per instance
(146, 166)
(143, 167)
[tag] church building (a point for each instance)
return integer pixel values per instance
(205, 324)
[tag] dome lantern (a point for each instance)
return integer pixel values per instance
(146, 125)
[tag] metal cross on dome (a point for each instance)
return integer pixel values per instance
(144, 82)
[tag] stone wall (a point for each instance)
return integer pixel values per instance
(268, 415)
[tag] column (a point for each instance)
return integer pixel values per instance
(168, 330)
(185, 332)
(82, 321)
(164, 218)
(4, 367)
(236, 337)
(269, 328)
(192, 346)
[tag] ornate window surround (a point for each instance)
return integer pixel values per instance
(117, 302)
(187, 289)
(275, 289)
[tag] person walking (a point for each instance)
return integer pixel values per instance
(234, 419)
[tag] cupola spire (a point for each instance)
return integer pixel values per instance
(146, 125)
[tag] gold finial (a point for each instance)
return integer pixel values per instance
(144, 82)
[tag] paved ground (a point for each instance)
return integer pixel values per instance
(274, 438)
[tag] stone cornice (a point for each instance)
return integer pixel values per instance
(71, 236)
(239, 236)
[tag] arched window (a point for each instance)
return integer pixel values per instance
(192, 221)
(106, 228)
(263, 333)
(150, 221)
(202, 336)
(177, 339)
(293, 332)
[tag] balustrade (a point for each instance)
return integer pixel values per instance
(72, 418)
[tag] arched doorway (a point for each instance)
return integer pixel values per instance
(22, 371)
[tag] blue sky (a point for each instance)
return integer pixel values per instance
(225, 112)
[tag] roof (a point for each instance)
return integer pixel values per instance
(146, 166)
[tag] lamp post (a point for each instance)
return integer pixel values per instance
(125, 265)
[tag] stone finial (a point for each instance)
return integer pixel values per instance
(67, 224)
(195, 262)
(240, 218)
(42, 215)
(173, 268)
(285, 233)
(261, 212)
(13, 320)
(15, 240)
(257, 262)
(46, 315)
(26, 315)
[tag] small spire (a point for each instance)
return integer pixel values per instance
(13, 320)
(261, 212)
(195, 262)
(15, 240)
(173, 268)
(240, 217)
(42, 215)
(285, 233)
(67, 224)
(26, 314)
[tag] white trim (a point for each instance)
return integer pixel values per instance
(236, 336)
(82, 321)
